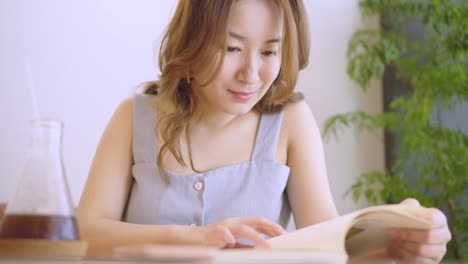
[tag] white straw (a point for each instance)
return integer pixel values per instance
(32, 88)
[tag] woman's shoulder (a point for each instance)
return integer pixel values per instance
(124, 111)
(129, 102)
(298, 121)
(297, 113)
(126, 105)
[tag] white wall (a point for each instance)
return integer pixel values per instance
(87, 55)
(329, 91)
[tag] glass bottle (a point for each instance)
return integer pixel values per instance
(42, 207)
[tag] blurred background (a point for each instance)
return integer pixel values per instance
(86, 56)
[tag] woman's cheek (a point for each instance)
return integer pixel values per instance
(270, 73)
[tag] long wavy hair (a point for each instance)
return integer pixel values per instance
(192, 40)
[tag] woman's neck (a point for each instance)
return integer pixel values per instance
(211, 119)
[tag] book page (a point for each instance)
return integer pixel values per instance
(364, 231)
(328, 236)
(408, 216)
(375, 223)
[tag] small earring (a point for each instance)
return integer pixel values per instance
(188, 80)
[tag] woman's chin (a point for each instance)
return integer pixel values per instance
(238, 109)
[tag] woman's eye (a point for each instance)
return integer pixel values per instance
(232, 49)
(270, 53)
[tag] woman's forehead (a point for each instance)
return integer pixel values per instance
(256, 19)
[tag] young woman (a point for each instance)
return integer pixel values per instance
(221, 149)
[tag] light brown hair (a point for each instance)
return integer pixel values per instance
(193, 38)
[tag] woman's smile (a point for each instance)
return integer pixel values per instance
(242, 96)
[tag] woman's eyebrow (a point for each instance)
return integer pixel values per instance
(242, 38)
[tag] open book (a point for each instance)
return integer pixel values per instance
(358, 234)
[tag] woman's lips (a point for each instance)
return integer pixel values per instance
(241, 96)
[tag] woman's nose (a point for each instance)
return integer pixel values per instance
(248, 73)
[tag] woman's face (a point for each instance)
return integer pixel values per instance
(252, 58)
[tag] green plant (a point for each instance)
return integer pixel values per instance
(431, 74)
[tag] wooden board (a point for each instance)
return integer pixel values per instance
(43, 248)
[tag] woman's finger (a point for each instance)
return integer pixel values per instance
(264, 226)
(249, 233)
(241, 245)
(435, 252)
(410, 202)
(435, 216)
(223, 238)
(408, 256)
(432, 236)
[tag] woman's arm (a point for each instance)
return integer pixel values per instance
(106, 192)
(308, 189)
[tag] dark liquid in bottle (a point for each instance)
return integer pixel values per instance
(52, 227)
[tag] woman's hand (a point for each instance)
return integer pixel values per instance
(224, 234)
(421, 246)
